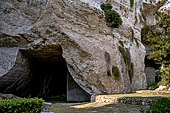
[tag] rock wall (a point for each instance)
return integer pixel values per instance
(92, 50)
(17, 77)
(7, 58)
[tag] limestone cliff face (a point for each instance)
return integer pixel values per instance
(91, 48)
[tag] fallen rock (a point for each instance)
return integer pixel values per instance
(162, 88)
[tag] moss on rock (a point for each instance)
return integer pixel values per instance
(127, 60)
(115, 72)
(131, 3)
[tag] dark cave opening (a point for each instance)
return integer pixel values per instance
(152, 63)
(48, 78)
(152, 70)
(44, 73)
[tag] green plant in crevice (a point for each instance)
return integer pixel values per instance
(123, 53)
(113, 19)
(156, 17)
(133, 37)
(106, 7)
(137, 43)
(153, 86)
(143, 15)
(108, 72)
(136, 19)
(132, 33)
(131, 3)
(115, 72)
(121, 43)
(144, 34)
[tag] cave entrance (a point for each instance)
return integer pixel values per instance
(151, 69)
(49, 77)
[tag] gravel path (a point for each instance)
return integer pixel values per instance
(95, 108)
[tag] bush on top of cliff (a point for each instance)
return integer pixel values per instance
(22, 105)
(113, 19)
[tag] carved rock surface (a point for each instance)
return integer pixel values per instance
(91, 49)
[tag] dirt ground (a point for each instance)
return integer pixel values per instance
(102, 107)
(95, 108)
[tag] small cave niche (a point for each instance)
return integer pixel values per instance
(151, 63)
(151, 69)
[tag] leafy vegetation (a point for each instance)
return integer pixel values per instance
(131, 3)
(143, 15)
(160, 106)
(115, 72)
(132, 33)
(113, 19)
(159, 40)
(153, 86)
(23, 105)
(108, 72)
(121, 43)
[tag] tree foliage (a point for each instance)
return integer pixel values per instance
(159, 39)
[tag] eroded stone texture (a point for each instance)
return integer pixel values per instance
(81, 31)
(17, 77)
(7, 58)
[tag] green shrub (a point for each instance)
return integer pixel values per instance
(106, 7)
(108, 72)
(121, 43)
(23, 105)
(160, 106)
(113, 19)
(153, 86)
(115, 72)
(132, 33)
(131, 3)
